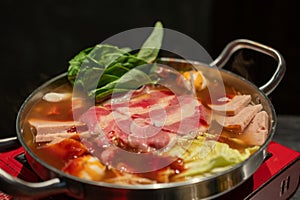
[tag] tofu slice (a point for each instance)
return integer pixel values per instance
(239, 122)
(47, 131)
(234, 106)
(257, 131)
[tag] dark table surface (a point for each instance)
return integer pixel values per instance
(288, 131)
(288, 134)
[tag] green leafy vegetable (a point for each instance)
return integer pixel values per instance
(75, 64)
(100, 69)
(151, 47)
(130, 80)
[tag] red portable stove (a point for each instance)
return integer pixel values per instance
(277, 178)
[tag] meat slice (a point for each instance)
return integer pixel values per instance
(239, 122)
(47, 131)
(257, 131)
(97, 118)
(176, 114)
(135, 135)
(185, 117)
(233, 106)
(148, 120)
(143, 103)
(123, 130)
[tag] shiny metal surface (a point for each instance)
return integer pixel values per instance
(18, 187)
(197, 188)
(235, 45)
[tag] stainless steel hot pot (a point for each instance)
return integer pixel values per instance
(56, 181)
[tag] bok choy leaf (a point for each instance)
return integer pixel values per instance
(112, 63)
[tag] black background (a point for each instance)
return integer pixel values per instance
(38, 38)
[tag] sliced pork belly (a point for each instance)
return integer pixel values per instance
(233, 106)
(141, 103)
(239, 122)
(257, 131)
(176, 114)
(147, 121)
(47, 131)
(125, 132)
(97, 118)
(181, 114)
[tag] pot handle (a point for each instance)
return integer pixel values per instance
(235, 45)
(8, 144)
(19, 188)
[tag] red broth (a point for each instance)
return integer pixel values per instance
(62, 154)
